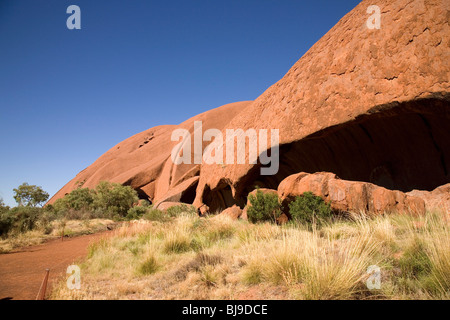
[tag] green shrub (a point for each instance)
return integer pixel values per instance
(136, 213)
(78, 199)
(24, 218)
(3, 207)
(5, 218)
(114, 198)
(155, 215)
(6, 222)
(309, 208)
(264, 207)
(176, 211)
(145, 203)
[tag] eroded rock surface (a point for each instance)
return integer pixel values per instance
(349, 196)
(144, 160)
(368, 105)
(438, 199)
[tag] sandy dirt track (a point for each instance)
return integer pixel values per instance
(22, 271)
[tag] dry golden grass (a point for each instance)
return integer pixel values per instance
(218, 258)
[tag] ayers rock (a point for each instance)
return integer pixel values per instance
(144, 161)
(369, 105)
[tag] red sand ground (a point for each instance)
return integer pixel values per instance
(22, 271)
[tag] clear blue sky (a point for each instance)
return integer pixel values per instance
(67, 96)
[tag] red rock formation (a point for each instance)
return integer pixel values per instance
(233, 212)
(368, 105)
(348, 196)
(143, 161)
(438, 199)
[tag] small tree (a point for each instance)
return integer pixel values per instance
(3, 207)
(309, 208)
(5, 218)
(80, 199)
(264, 207)
(114, 198)
(30, 195)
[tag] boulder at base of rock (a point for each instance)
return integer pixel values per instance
(349, 196)
(233, 212)
(438, 199)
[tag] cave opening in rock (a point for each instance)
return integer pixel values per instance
(218, 199)
(142, 195)
(188, 195)
(401, 146)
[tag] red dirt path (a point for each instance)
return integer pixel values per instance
(22, 271)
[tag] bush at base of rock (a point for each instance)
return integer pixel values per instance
(309, 208)
(175, 211)
(136, 213)
(264, 207)
(156, 215)
(110, 199)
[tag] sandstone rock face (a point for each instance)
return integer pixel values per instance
(180, 191)
(369, 105)
(438, 199)
(349, 196)
(144, 161)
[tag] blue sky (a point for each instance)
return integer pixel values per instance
(67, 96)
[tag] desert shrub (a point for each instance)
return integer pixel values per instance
(264, 207)
(107, 200)
(176, 211)
(145, 203)
(5, 218)
(136, 213)
(6, 222)
(3, 207)
(114, 198)
(78, 199)
(309, 208)
(153, 214)
(24, 218)
(45, 219)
